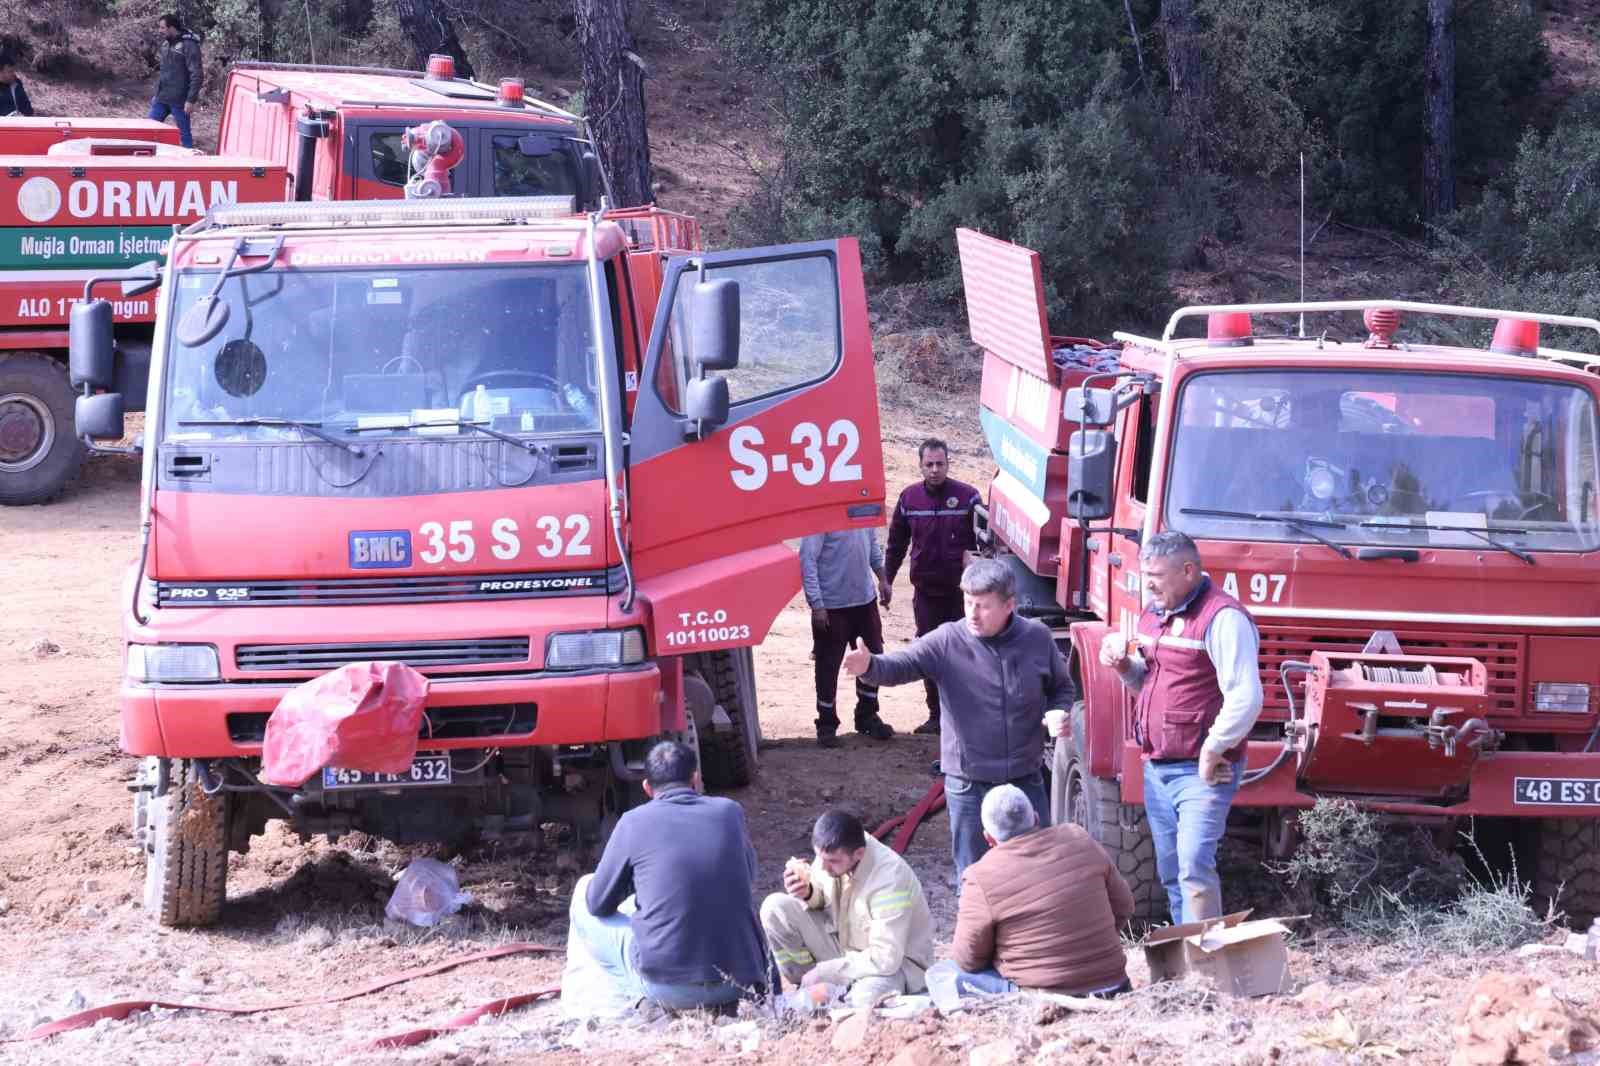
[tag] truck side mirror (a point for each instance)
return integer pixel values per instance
(714, 324)
(1091, 474)
(99, 416)
(1090, 407)
(705, 404)
(91, 350)
(141, 278)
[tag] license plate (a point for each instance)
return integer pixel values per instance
(1557, 791)
(425, 770)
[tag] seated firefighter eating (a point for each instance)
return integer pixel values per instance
(854, 919)
(692, 939)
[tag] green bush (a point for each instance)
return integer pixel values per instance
(1528, 244)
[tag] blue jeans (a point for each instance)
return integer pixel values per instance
(180, 118)
(990, 983)
(963, 798)
(609, 940)
(1187, 819)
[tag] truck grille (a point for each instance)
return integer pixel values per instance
(1500, 655)
(441, 723)
(400, 588)
(420, 655)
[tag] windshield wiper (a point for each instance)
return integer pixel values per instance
(313, 428)
(1481, 534)
(526, 445)
(1308, 526)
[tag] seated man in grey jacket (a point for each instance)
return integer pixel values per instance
(997, 675)
(693, 938)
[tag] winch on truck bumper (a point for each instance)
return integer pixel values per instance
(1366, 714)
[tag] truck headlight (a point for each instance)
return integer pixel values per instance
(600, 647)
(173, 662)
(1561, 697)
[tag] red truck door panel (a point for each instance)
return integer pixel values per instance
(800, 452)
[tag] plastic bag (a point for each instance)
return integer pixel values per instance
(808, 999)
(426, 892)
(363, 716)
(941, 978)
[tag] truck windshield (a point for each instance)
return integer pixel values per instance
(1391, 457)
(368, 350)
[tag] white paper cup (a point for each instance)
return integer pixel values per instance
(1055, 722)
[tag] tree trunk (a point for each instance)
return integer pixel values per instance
(613, 99)
(1439, 107)
(1186, 71)
(429, 30)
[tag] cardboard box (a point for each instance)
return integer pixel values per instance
(1243, 958)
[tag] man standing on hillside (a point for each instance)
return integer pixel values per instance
(933, 519)
(178, 82)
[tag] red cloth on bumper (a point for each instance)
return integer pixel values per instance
(363, 716)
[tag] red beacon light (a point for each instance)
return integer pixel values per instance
(1381, 322)
(510, 94)
(1515, 336)
(1229, 330)
(441, 68)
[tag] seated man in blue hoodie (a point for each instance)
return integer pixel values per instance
(693, 938)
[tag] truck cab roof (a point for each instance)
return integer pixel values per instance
(346, 88)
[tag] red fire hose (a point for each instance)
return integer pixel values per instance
(122, 1009)
(907, 823)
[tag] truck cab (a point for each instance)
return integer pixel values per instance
(1413, 527)
(339, 131)
(546, 461)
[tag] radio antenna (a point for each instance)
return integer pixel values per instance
(1302, 243)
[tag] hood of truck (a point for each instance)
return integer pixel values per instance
(514, 534)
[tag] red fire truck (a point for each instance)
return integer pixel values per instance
(1413, 527)
(547, 461)
(287, 132)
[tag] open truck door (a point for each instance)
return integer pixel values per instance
(757, 416)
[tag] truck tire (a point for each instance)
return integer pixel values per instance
(1095, 804)
(186, 851)
(39, 455)
(1567, 867)
(729, 757)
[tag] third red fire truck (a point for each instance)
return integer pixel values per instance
(1415, 528)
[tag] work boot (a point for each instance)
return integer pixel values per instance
(875, 728)
(828, 738)
(930, 727)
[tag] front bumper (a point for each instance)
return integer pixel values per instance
(1491, 789)
(587, 707)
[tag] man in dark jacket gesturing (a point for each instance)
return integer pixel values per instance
(178, 82)
(997, 674)
(693, 938)
(933, 521)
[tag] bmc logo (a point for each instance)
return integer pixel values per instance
(380, 548)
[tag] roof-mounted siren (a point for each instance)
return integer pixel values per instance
(1515, 336)
(1381, 322)
(440, 68)
(510, 92)
(1228, 330)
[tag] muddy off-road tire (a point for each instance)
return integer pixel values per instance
(1096, 804)
(1567, 867)
(729, 757)
(186, 851)
(39, 454)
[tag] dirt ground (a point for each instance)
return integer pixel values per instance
(306, 919)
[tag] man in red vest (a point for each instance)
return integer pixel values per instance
(1196, 669)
